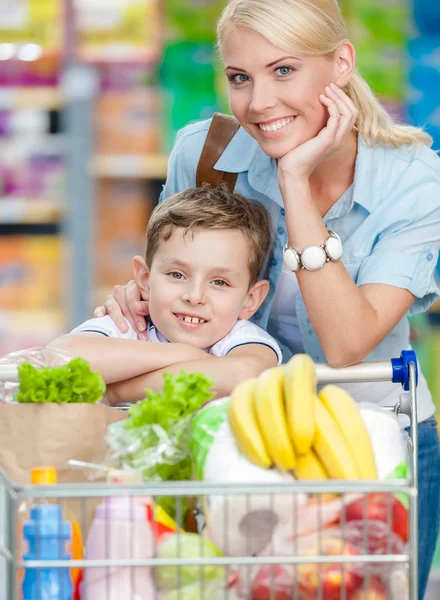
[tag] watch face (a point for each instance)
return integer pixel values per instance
(313, 258)
(291, 259)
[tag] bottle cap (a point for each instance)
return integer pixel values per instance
(43, 476)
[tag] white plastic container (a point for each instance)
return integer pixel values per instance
(120, 530)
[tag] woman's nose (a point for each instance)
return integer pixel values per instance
(262, 98)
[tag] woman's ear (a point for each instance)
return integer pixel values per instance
(345, 63)
(254, 299)
(142, 276)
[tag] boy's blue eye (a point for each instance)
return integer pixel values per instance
(220, 282)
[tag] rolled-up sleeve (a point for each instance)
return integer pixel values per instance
(407, 249)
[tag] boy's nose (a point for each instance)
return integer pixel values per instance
(194, 296)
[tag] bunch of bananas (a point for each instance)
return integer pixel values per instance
(279, 420)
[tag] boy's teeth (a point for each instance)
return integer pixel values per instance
(193, 320)
(277, 125)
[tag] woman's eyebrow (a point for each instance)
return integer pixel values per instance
(267, 66)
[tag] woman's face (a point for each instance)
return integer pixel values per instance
(274, 95)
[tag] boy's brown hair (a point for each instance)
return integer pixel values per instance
(208, 207)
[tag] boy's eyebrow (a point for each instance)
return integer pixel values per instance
(179, 263)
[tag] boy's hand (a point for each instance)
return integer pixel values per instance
(125, 301)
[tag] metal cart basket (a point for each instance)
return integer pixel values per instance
(401, 370)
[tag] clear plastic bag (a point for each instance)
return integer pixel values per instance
(327, 581)
(37, 357)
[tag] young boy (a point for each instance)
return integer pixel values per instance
(205, 250)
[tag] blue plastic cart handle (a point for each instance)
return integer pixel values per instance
(401, 368)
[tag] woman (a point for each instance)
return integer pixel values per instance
(317, 149)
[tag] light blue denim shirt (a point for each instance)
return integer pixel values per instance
(389, 224)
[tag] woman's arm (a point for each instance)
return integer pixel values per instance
(120, 359)
(241, 363)
(349, 321)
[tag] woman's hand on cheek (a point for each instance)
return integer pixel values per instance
(302, 160)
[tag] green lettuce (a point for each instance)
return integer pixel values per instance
(155, 437)
(71, 383)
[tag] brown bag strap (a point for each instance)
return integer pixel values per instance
(222, 130)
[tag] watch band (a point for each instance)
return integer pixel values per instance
(314, 258)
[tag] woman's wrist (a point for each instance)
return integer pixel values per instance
(296, 179)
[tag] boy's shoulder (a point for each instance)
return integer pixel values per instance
(105, 326)
(243, 333)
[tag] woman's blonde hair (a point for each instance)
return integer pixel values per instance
(317, 28)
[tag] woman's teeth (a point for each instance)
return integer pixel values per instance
(276, 125)
(192, 320)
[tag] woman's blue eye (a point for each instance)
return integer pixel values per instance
(284, 70)
(176, 275)
(237, 78)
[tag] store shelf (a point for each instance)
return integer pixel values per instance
(130, 166)
(48, 98)
(24, 211)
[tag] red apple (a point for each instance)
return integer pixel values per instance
(376, 590)
(272, 582)
(380, 507)
(332, 576)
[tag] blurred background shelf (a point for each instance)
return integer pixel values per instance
(35, 211)
(45, 98)
(130, 166)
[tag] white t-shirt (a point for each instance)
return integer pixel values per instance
(383, 393)
(243, 332)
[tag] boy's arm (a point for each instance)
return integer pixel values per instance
(120, 359)
(227, 371)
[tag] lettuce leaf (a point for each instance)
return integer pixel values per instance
(182, 396)
(73, 382)
(155, 437)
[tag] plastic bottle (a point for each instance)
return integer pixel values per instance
(47, 535)
(48, 476)
(119, 531)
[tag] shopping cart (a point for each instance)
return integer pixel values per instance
(401, 371)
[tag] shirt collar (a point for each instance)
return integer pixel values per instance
(244, 154)
(154, 335)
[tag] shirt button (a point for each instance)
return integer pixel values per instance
(429, 257)
(273, 262)
(258, 315)
(283, 212)
(280, 230)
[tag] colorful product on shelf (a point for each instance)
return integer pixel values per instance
(128, 123)
(31, 275)
(123, 207)
(379, 32)
(31, 36)
(119, 31)
(187, 99)
(193, 19)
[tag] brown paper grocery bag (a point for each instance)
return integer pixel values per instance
(38, 435)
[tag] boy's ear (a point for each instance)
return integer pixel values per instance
(254, 299)
(142, 276)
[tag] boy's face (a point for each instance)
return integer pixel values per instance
(198, 285)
